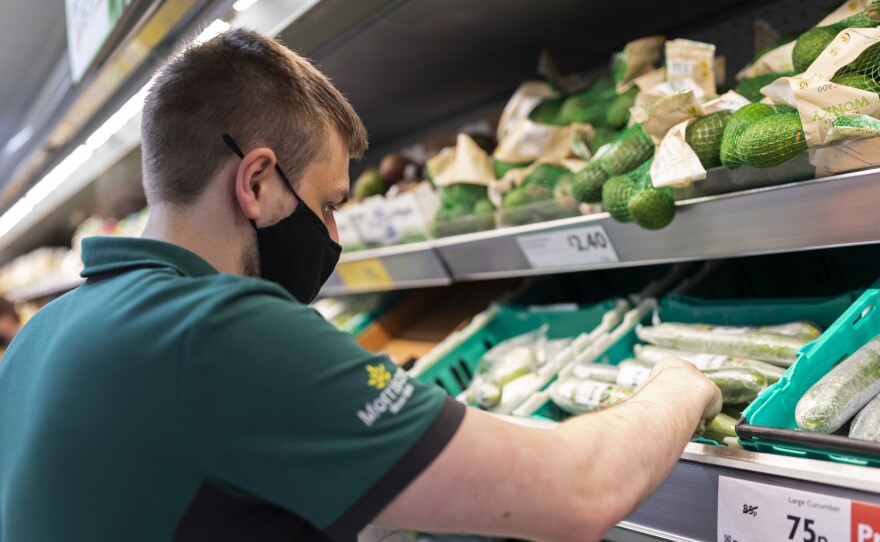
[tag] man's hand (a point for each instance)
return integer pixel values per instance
(679, 374)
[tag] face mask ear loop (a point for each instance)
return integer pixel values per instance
(237, 150)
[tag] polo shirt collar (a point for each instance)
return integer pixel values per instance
(103, 255)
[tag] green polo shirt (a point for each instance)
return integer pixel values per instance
(162, 400)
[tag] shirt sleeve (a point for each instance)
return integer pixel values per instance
(280, 404)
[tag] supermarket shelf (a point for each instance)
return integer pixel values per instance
(416, 265)
(54, 285)
(685, 508)
(823, 213)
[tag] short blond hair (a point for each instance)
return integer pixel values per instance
(252, 87)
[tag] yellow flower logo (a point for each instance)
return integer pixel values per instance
(379, 376)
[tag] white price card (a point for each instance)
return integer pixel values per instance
(754, 512)
(576, 246)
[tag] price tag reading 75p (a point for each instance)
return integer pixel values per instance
(576, 246)
(753, 512)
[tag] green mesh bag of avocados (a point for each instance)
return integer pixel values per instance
(632, 147)
(811, 43)
(602, 135)
(584, 109)
(772, 140)
(548, 112)
(463, 196)
(704, 137)
(737, 124)
(618, 190)
(649, 207)
(618, 110)
(545, 175)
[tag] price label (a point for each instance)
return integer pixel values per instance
(577, 246)
(752, 512)
(370, 272)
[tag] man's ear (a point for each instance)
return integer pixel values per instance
(254, 173)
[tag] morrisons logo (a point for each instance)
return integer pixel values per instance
(395, 392)
(850, 106)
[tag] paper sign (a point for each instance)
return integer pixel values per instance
(578, 246)
(370, 272)
(750, 512)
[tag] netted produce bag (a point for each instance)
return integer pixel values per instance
(633, 198)
(462, 175)
(742, 119)
(704, 137)
(811, 43)
(537, 193)
(754, 343)
(507, 373)
(631, 148)
(841, 393)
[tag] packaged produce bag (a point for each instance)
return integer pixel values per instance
(637, 58)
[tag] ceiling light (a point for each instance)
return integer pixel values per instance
(243, 5)
(15, 142)
(212, 31)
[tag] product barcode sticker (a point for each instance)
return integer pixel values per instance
(632, 376)
(708, 361)
(679, 67)
(589, 394)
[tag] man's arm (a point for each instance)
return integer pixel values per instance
(573, 482)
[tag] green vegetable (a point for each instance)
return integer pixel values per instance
(601, 136)
(738, 342)
(501, 167)
(370, 183)
(578, 396)
(547, 112)
(720, 428)
(616, 193)
(485, 395)
(652, 354)
(866, 424)
(841, 393)
(704, 137)
(514, 198)
(484, 206)
(546, 175)
(586, 186)
(737, 384)
(618, 110)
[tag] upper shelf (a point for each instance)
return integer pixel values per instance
(824, 213)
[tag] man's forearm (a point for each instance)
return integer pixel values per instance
(620, 455)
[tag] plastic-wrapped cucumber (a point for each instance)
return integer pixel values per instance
(732, 341)
(806, 331)
(720, 428)
(596, 371)
(578, 396)
(841, 393)
(866, 424)
(485, 394)
(652, 354)
(737, 384)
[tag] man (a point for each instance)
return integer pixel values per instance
(176, 396)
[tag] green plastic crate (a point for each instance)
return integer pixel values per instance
(691, 310)
(454, 370)
(769, 424)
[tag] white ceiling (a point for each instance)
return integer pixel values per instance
(32, 40)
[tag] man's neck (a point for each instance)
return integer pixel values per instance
(197, 234)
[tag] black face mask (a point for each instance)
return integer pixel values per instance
(297, 252)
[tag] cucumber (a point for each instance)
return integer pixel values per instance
(652, 354)
(579, 396)
(732, 341)
(737, 385)
(720, 428)
(866, 424)
(841, 393)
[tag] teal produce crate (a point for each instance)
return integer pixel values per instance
(451, 365)
(686, 309)
(769, 425)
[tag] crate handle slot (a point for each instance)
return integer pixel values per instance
(457, 376)
(464, 367)
(861, 317)
(442, 385)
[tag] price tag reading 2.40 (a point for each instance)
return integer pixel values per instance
(576, 246)
(753, 512)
